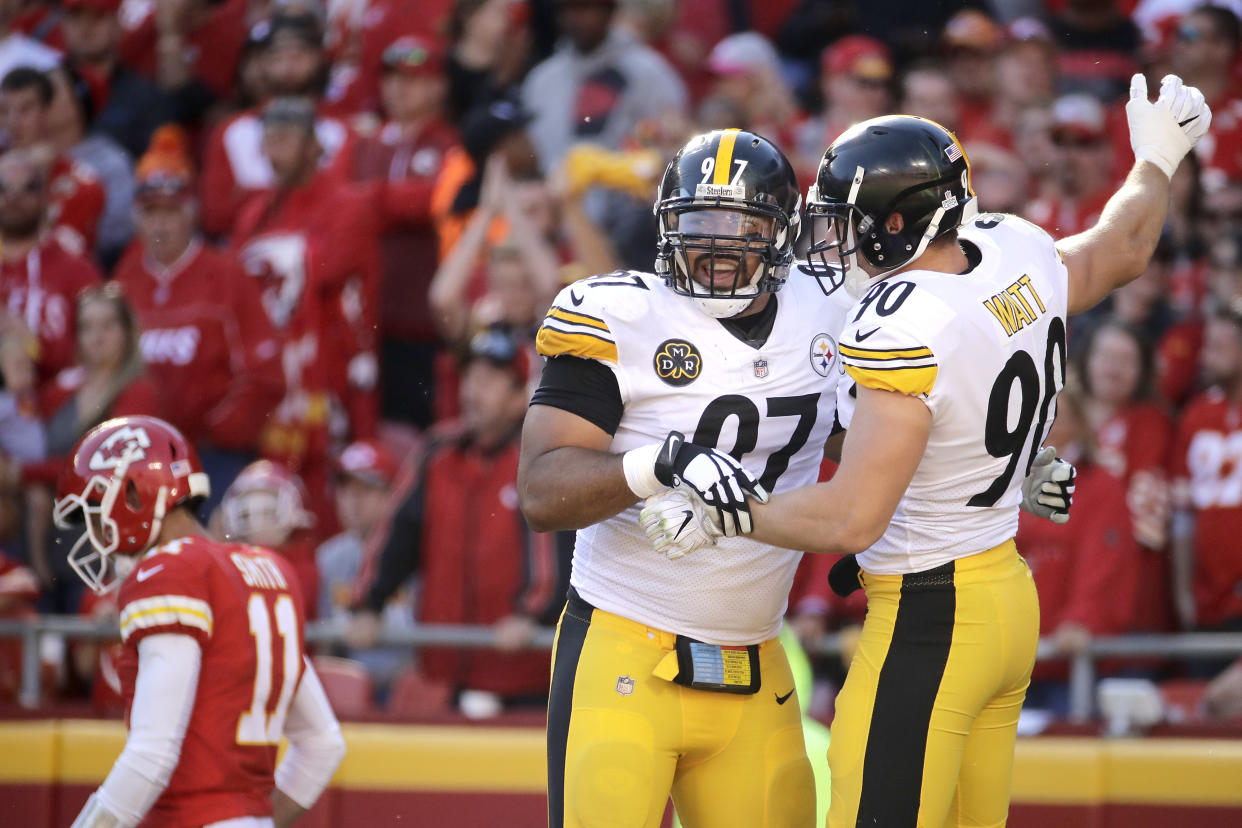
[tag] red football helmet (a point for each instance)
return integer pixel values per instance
(264, 505)
(126, 474)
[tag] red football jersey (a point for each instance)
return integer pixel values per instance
(243, 607)
(1207, 474)
(207, 343)
(1135, 439)
(41, 290)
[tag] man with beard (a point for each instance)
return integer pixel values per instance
(293, 63)
(38, 277)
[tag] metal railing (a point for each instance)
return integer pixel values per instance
(1081, 681)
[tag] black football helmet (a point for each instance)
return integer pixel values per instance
(726, 195)
(896, 164)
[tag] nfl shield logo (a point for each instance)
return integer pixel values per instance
(625, 685)
(761, 368)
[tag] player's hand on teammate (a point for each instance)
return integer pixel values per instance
(1164, 131)
(677, 522)
(1048, 490)
(720, 481)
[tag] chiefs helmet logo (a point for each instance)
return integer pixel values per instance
(126, 444)
(678, 362)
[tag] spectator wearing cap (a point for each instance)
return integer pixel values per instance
(459, 527)
(16, 49)
(291, 62)
(129, 107)
(76, 195)
(39, 278)
(598, 85)
(206, 339)
(489, 43)
(189, 48)
(401, 160)
(1098, 43)
(747, 72)
(1083, 178)
(359, 32)
(69, 133)
(971, 41)
(1207, 500)
(855, 74)
(311, 244)
(365, 472)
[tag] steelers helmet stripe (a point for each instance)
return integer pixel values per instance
(724, 156)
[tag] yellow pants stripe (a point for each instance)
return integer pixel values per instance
(926, 722)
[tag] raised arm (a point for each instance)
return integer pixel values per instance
(1117, 249)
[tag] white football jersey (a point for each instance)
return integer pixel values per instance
(985, 351)
(679, 369)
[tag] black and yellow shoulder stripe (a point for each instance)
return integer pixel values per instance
(571, 333)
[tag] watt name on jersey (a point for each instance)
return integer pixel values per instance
(985, 351)
(679, 369)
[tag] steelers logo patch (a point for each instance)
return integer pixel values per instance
(823, 354)
(677, 362)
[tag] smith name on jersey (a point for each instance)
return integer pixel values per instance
(985, 351)
(771, 406)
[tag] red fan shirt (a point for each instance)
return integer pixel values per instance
(41, 289)
(207, 343)
(1207, 474)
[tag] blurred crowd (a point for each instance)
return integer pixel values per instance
(318, 237)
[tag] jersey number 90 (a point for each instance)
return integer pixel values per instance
(1037, 389)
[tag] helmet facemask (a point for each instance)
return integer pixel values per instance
(101, 538)
(698, 238)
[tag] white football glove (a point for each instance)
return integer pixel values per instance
(1164, 131)
(1048, 491)
(677, 522)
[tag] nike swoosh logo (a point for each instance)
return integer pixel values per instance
(689, 517)
(143, 574)
(575, 298)
(1188, 120)
(784, 698)
(861, 336)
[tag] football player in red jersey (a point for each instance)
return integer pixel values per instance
(197, 752)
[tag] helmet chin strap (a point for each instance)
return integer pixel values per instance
(857, 279)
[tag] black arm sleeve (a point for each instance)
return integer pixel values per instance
(402, 551)
(583, 387)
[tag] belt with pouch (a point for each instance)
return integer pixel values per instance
(717, 668)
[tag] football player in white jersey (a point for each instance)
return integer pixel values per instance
(957, 349)
(667, 674)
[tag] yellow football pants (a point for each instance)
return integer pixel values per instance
(925, 724)
(621, 739)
